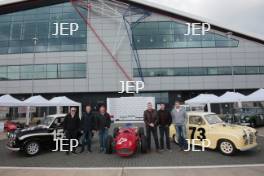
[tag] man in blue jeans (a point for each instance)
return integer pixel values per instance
(87, 125)
(103, 123)
(179, 119)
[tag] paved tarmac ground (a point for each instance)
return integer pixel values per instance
(242, 170)
(96, 159)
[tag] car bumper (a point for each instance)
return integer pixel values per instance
(248, 147)
(13, 148)
(245, 124)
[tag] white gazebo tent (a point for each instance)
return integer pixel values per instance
(256, 96)
(203, 99)
(9, 101)
(35, 101)
(231, 97)
(65, 101)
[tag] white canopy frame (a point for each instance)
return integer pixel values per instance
(65, 101)
(202, 99)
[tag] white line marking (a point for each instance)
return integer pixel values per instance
(133, 168)
(200, 167)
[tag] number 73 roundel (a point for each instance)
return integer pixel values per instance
(200, 131)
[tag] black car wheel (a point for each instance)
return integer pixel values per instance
(116, 130)
(141, 131)
(143, 144)
(253, 124)
(109, 145)
(32, 148)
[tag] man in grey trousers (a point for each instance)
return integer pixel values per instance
(179, 119)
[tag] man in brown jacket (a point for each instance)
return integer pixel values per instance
(151, 121)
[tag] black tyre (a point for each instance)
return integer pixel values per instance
(226, 147)
(109, 145)
(253, 123)
(141, 131)
(115, 132)
(143, 144)
(32, 148)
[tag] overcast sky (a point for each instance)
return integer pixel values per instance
(247, 15)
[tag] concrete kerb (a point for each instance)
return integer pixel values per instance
(232, 170)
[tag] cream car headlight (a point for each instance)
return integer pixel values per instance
(245, 136)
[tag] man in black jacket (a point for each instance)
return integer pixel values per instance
(164, 121)
(151, 122)
(87, 125)
(103, 123)
(71, 126)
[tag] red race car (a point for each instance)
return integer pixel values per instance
(126, 141)
(10, 126)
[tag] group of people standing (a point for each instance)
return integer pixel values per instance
(163, 119)
(90, 123)
(101, 121)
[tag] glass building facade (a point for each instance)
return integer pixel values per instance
(43, 71)
(170, 35)
(200, 71)
(18, 29)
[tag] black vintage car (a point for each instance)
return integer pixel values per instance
(31, 140)
(253, 117)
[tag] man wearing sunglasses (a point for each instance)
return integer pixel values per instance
(71, 127)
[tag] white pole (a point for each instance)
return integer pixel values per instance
(208, 107)
(80, 111)
(239, 104)
(57, 110)
(27, 115)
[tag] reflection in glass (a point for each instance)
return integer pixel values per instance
(170, 34)
(43, 71)
(18, 29)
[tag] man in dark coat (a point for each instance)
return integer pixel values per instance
(151, 121)
(164, 119)
(87, 125)
(71, 126)
(103, 123)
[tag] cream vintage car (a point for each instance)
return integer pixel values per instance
(228, 138)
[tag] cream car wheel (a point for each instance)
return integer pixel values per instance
(227, 147)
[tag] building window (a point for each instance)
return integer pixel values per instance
(252, 70)
(43, 71)
(17, 30)
(241, 70)
(224, 70)
(200, 71)
(170, 34)
(162, 97)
